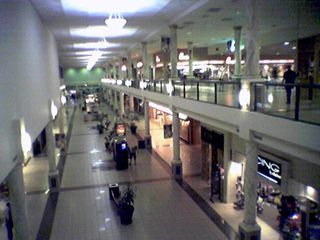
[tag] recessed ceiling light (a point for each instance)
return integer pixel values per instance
(99, 7)
(94, 45)
(188, 33)
(286, 43)
(294, 47)
(277, 53)
(213, 39)
(101, 31)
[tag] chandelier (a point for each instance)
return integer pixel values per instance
(115, 21)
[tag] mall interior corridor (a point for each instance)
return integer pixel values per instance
(219, 100)
(163, 207)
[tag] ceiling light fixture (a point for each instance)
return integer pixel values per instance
(103, 43)
(124, 68)
(139, 65)
(115, 21)
(93, 59)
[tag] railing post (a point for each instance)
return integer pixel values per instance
(154, 86)
(297, 103)
(198, 90)
(215, 93)
(184, 89)
(160, 86)
(173, 88)
(255, 97)
(239, 105)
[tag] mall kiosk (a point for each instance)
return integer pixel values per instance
(120, 147)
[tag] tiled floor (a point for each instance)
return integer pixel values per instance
(189, 155)
(84, 211)
(163, 209)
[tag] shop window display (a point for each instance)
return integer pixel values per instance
(239, 203)
(298, 217)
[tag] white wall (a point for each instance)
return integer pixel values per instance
(29, 75)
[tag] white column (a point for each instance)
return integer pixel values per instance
(131, 103)
(115, 103)
(229, 176)
(61, 127)
(118, 71)
(176, 163)
(147, 124)
(173, 51)
(252, 40)
(106, 70)
(190, 53)
(150, 64)
(237, 52)
(121, 95)
(252, 67)
(146, 118)
(109, 70)
(129, 63)
(17, 192)
(61, 116)
(110, 98)
(114, 71)
(249, 227)
(51, 150)
(145, 60)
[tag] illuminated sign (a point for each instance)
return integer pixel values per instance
(123, 146)
(269, 169)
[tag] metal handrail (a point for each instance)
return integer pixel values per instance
(154, 86)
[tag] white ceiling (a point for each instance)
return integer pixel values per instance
(204, 22)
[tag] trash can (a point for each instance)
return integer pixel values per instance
(114, 188)
(141, 144)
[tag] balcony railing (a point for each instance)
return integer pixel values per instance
(265, 97)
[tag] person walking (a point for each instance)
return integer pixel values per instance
(9, 222)
(289, 77)
(133, 155)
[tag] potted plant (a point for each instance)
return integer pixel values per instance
(125, 205)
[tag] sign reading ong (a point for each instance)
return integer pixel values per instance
(269, 169)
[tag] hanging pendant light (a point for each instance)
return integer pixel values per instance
(115, 21)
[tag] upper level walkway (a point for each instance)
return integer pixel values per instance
(276, 125)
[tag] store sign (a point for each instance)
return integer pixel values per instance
(269, 169)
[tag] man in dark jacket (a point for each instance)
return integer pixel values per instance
(289, 77)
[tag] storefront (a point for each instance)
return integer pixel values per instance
(298, 213)
(189, 128)
(212, 168)
(292, 212)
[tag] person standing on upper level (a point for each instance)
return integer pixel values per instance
(289, 77)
